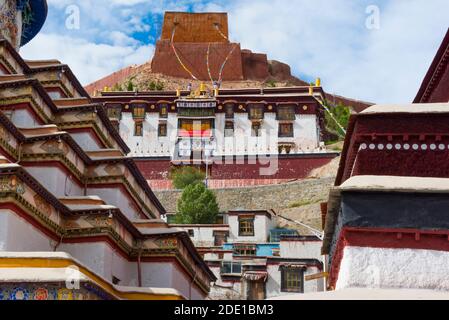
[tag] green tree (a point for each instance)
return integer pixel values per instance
(341, 114)
(197, 205)
(130, 86)
(117, 87)
(160, 86)
(271, 84)
(152, 86)
(184, 176)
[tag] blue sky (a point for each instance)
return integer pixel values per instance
(320, 38)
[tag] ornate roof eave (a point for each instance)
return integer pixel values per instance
(100, 111)
(132, 167)
(187, 242)
(67, 71)
(11, 127)
(432, 76)
(35, 185)
(116, 212)
(15, 54)
(36, 85)
(21, 173)
(68, 139)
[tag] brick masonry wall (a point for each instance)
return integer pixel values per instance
(193, 55)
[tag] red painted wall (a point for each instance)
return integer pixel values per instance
(400, 129)
(441, 91)
(289, 168)
(154, 169)
(193, 56)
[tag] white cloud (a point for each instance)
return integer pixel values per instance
(89, 61)
(120, 39)
(317, 38)
(329, 39)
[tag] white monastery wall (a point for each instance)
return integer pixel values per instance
(104, 260)
(301, 249)
(204, 236)
(150, 144)
(305, 127)
(115, 197)
(262, 226)
(393, 268)
(273, 284)
(56, 181)
(16, 234)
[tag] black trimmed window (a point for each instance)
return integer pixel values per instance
(246, 226)
(229, 129)
(229, 267)
(114, 112)
(286, 113)
(162, 130)
(292, 279)
(246, 250)
(286, 130)
(138, 128)
(256, 129)
(229, 111)
(163, 110)
(139, 111)
(220, 238)
(256, 112)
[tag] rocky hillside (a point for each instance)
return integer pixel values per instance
(144, 79)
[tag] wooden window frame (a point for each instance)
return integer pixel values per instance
(286, 113)
(229, 111)
(248, 229)
(227, 131)
(251, 112)
(292, 280)
(163, 115)
(220, 235)
(283, 135)
(254, 132)
(114, 113)
(248, 250)
(159, 130)
(139, 112)
(233, 266)
(138, 124)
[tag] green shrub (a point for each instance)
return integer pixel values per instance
(197, 205)
(185, 176)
